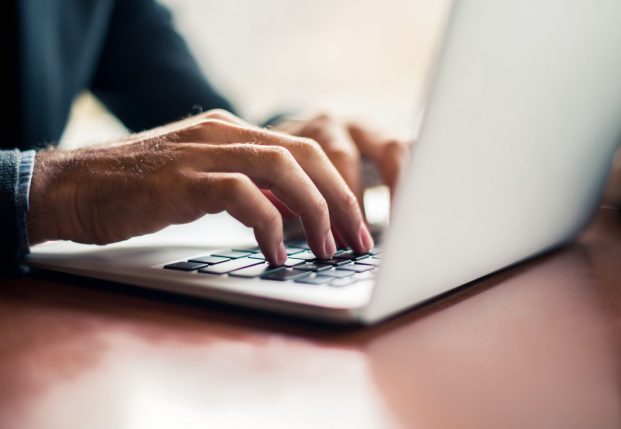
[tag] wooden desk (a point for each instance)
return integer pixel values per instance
(537, 346)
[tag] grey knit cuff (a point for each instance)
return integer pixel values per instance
(26, 166)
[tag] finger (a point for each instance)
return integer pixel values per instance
(236, 194)
(285, 212)
(344, 209)
(389, 155)
(338, 144)
(274, 168)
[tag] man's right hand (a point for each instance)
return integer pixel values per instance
(175, 174)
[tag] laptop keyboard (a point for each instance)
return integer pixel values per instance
(302, 266)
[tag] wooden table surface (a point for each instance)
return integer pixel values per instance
(536, 346)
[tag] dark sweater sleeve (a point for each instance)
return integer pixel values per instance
(147, 76)
(9, 176)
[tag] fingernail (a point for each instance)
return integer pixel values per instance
(282, 254)
(364, 239)
(329, 246)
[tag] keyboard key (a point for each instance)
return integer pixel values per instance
(314, 280)
(227, 267)
(306, 256)
(288, 263)
(232, 254)
(259, 255)
(351, 256)
(309, 266)
(344, 255)
(298, 244)
(356, 267)
(370, 261)
(375, 251)
(209, 260)
(254, 271)
(333, 262)
(336, 274)
(283, 275)
(343, 282)
(185, 266)
(293, 250)
(293, 262)
(255, 249)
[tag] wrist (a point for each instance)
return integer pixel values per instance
(41, 219)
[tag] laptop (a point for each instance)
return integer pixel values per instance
(522, 119)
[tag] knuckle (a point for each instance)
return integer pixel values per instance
(278, 154)
(318, 125)
(209, 124)
(395, 146)
(322, 207)
(309, 147)
(350, 202)
(201, 115)
(275, 152)
(342, 154)
(323, 117)
(236, 182)
(219, 114)
(216, 112)
(223, 186)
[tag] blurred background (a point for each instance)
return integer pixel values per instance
(365, 58)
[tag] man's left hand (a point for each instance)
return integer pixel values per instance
(347, 142)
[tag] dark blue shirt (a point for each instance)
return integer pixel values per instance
(126, 52)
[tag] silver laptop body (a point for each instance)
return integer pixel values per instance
(522, 120)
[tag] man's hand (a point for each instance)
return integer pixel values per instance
(347, 142)
(175, 174)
